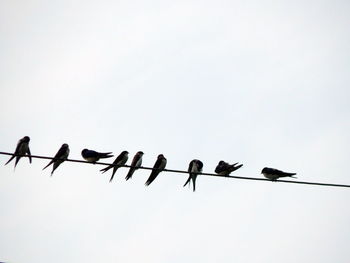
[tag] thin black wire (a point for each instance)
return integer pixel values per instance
(185, 172)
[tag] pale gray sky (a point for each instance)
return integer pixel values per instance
(264, 83)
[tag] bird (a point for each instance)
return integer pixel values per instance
(195, 167)
(118, 162)
(273, 174)
(135, 164)
(93, 156)
(224, 168)
(59, 158)
(157, 168)
(22, 148)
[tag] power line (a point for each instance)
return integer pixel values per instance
(185, 172)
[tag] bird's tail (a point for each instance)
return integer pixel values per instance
(13, 156)
(106, 169)
(110, 180)
(48, 164)
(194, 178)
(150, 179)
(106, 155)
(236, 167)
(288, 175)
(17, 160)
(188, 180)
(130, 173)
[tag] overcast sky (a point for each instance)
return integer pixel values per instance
(263, 83)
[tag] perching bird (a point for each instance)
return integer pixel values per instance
(224, 168)
(118, 162)
(60, 157)
(22, 148)
(195, 167)
(93, 156)
(135, 164)
(157, 168)
(274, 174)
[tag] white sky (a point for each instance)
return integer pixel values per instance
(264, 83)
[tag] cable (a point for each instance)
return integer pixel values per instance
(185, 172)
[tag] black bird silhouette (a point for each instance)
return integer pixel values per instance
(135, 164)
(60, 157)
(273, 174)
(22, 148)
(93, 156)
(195, 167)
(157, 168)
(224, 168)
(118, 162)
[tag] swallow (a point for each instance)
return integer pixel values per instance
(157, 168)
(93, 156)
(274, 174)
(135, 164)
(59, 158)
(224, 168)
(195, 167)
(22, 148)
(118, 162)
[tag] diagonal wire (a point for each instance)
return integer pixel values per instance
(185, 172)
